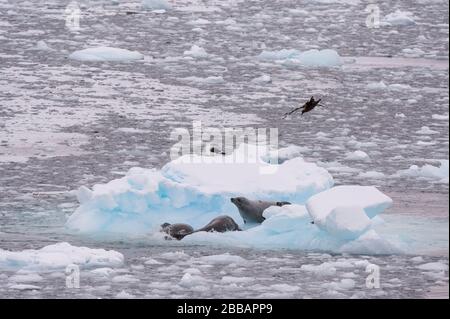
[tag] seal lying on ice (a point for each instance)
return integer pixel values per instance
(252, 210)
(219, 224)
(177, 231)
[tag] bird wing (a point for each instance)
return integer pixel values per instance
(290, 112)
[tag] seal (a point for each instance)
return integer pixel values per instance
(177, 231)
(251, 211)
(220, 224)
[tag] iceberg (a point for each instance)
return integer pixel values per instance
(59, 256)
(105, 54)
(321, 58)
(194, 189)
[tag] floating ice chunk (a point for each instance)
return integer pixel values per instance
(425, 130)
(196, 52)
(207, 80)
(105, 54)
(415, 52)
(43, 46)
(347, 222)
(399, 87)
(344, 284)
(189, 280)
(102, 272)
(427, 171)
(192, 271)
(368, 198)
(262, 79)
(282, 54)
(357, 156)
(176, 255)
(399, 18)
(199, 22)
(324, 58)
(371, 175)
(156, 4)
(125, 279)
(324, 269)
(417, 259)
(377, 86)
(58, 256)
(124, 295)
(285, 287)
(25, 277)
(228, 21)
(400, 115)
(348, 2)
(298, 12)
(24, 287)
(151, 261)
(236, 280)
(434, 266)
(440, 117)
(222, 259)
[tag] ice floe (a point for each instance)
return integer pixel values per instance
(427, 171)
(156, 4)
(207, 80)
(262, 79)
(196, 52)
(425, 130)
(322, 58)
(105, 54)
(399, 18)
(59, 256)
(357, 156)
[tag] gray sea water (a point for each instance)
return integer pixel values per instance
(65, 123)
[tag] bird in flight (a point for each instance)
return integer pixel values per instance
(308, 106)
